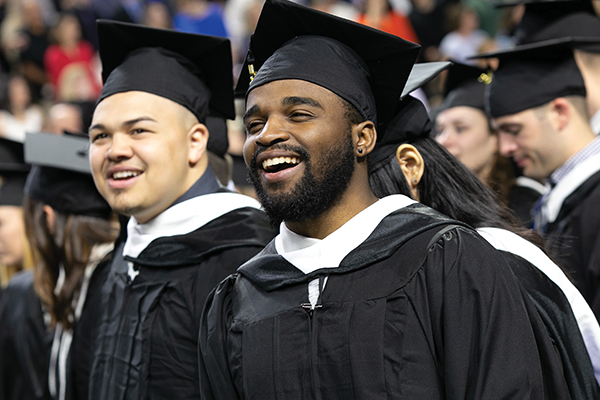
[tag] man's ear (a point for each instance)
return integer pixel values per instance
(365, 138)
(412, 165)
(198, 136)
(560, 113)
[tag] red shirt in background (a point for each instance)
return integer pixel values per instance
(396, 24)
(72, 74)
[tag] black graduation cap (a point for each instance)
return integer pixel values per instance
(410, 120)
(364, 66)
(422, 74)
(59, 181)
(581, 29)
(192, 70)
(532, 75)
(543, 13)
(13, 172)
(218, 141)
(465, 86)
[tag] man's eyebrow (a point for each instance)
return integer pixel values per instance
(124, 124)
(294, 100)
(509, 126)
(251, 111)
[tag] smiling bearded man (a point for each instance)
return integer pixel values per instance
(186, 233)
(357, 297)
(314, 194)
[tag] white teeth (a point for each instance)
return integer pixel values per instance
(124, 174)
(279, 160)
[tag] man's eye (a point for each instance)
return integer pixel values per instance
(98, 136)
(139, 130)
(300, 115)
(253, 127)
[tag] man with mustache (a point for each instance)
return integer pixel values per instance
(357, 297)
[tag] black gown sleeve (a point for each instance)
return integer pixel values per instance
(216, 381)
(491, 344)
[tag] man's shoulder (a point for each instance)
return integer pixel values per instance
(583, 201)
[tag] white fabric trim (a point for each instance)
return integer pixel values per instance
(98, 253)
(531, 184)
(309, 254)
(505, 240)
(595, 122)
(183, 218)
(568, 185)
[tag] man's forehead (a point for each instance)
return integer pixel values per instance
(126, 105)
(286, 92)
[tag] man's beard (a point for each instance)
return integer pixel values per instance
(311, 196)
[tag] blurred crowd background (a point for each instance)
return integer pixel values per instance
(50, 71)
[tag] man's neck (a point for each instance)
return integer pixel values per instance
(355, 199)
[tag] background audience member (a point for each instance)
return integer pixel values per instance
(71, 62)
(20, 115)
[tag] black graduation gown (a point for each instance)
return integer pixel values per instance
(24, 342)
(574, 239)
(559, 320)
(422, 309)
(147, 343)
(521, 201)
(80, 356)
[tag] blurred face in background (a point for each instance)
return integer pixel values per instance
(68, 30)
(19, 93)
(12, 236)
(465, 133)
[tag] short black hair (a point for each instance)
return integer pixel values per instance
(351, 113)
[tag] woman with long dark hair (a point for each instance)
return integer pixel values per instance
(409, 161)
(71, 232)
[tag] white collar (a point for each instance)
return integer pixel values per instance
(309, 254)
(595, 122)
(183, 218)
(568, 184)
(532, 184)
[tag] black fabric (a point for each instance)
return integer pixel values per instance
(24, 342)
(521, 200)
(437, 318)
(577, 25)
(13, 172)
(11, 156)
(218, 141)
(68, 192)
(79, 359)
(574, 239)
(540, 14)
(464, 87)
(206, 184)
(191, 70)
(528, 79)
(324, 62)
(12, 185)
(410, 122)
(388, 58)
(560, 323)
(85, 331)
(146, 344)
